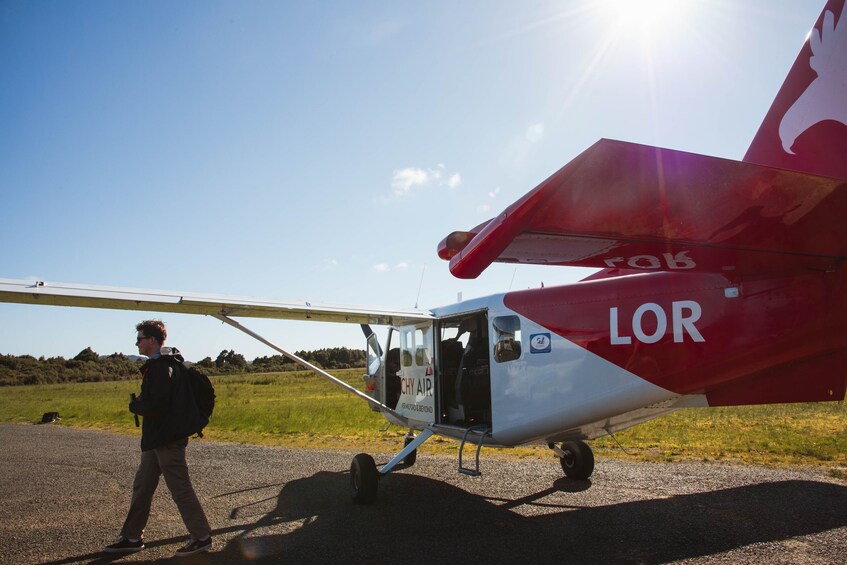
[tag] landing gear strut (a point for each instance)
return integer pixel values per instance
(576, 458)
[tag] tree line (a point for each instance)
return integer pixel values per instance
(333, 358)
(88, 366)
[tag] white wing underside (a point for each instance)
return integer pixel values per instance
(118, 298)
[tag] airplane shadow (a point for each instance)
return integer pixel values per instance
(421, 520)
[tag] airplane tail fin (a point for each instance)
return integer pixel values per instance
(806, 127)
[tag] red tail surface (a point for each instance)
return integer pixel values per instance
(806, 127)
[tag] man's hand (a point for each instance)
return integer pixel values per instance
(133, 407)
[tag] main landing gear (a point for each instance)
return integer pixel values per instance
(364, 476)
(576, 458)
(364, 479)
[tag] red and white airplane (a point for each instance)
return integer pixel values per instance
(722, 284)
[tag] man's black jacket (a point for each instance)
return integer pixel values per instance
(159, 399)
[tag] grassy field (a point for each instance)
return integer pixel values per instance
(299, 409)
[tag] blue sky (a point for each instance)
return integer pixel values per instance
(321, 150)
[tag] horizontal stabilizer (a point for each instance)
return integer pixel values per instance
(627, 206)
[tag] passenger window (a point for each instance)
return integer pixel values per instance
(416, 345)
(407, 345)
(422, 357)
(507, 338)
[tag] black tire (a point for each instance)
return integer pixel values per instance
(578, 462)
(364, 479)
(413, 456)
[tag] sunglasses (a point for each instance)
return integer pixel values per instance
(138, 340)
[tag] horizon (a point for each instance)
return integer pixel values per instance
(136, 356)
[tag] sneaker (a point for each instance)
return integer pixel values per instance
(125, 545)
(194, 546)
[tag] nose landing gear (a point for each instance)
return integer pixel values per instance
(576, 458)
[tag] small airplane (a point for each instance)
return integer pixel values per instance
(722, 283)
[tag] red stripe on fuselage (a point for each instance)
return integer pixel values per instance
(772, 325)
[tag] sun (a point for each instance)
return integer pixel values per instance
(655, 29)
(646, 16)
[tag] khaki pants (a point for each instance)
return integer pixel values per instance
(167, 460)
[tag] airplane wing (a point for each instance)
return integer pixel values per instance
(64, 294)
(636, 207)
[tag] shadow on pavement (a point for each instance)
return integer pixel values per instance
(417, 520)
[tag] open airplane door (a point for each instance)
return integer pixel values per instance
(375, 376)
(401, 376)
(415, 373)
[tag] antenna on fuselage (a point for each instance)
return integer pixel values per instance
(611, 435)
(420, 286)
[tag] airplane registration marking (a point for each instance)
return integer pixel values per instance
(650, 262)
(684, 314)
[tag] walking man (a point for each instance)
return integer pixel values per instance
(161, 452)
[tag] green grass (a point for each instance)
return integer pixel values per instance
(772, 434)
(300, 409)
(290, 408)
(275, 409)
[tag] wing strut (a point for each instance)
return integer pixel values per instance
(313, 368)
(410, 447)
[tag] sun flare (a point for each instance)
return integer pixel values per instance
(646, 16)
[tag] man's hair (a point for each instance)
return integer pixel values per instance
(153, 328)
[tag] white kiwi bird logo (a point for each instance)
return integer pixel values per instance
(825, 97)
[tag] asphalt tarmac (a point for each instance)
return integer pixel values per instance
(64, 494)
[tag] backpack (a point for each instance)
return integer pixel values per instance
(203, 392)
(50, 417)
(192, 401)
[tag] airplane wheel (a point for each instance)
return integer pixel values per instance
(364, 479)
(413, 456)
(578, 462)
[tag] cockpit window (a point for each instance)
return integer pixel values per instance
(507, 338)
